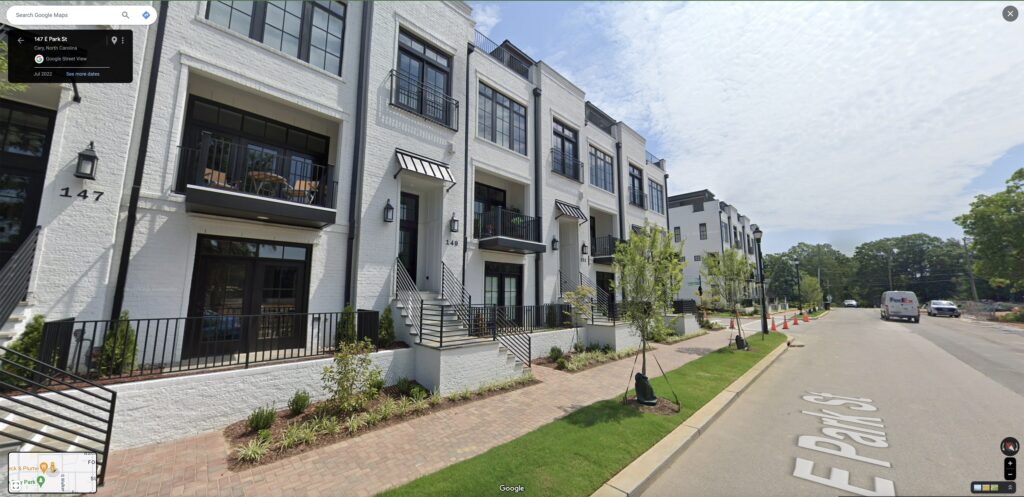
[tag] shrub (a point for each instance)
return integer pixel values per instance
(562, 363)
(265, 434)
(345, 331)
(353, 379)
(254, 451)
(1013, 316)
(386, 329)
(577, 347)
(356, 423)
(298, 434)
(404, 386)
(326, 425)
(418, 393)
(299, 402)
(403, 406)
(262, 418)
(117, 355)
(555, 354)
(27, 343)
(607, 349)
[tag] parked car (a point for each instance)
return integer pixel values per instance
(900, 305)
(850, 303)
(943, 308)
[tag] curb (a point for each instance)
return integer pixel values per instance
(634, 478)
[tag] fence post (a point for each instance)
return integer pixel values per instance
(245, 337)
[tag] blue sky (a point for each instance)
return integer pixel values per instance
(823, 122)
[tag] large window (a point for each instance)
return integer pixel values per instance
(657, 194)
(602, 172)
(565, 158)
(636, 186)
(424, 79)
(677, 233)
(703, 231)
(501, 120)
(310, 31)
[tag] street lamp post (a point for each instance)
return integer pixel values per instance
(760, 276)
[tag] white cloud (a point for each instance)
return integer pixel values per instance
(815, 115)
(486, 16)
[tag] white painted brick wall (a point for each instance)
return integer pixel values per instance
(541, 343)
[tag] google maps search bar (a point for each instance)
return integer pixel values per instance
(90, 15)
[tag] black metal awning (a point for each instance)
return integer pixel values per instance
(408, 161)
(567, 209)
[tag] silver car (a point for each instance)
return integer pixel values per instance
(943, 308)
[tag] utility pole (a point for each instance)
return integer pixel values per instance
(890, 270)
(970, 271)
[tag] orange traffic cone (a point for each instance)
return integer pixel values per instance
(773, 324)
(796, 322)
(805, 317)
(732, 325)
(785, 323)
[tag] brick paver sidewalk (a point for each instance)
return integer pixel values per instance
(375, 461)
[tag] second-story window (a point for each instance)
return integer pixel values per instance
(424, 79)
(602, 173)
(703, 231)
(699, 206)
(501, 120)
(636, 186)
(310, 31)
(677, 233)
(657, 194)
(564, 154)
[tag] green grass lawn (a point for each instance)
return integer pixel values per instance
(575, 455)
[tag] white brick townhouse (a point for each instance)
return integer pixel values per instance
(273, 162)
(705, 225)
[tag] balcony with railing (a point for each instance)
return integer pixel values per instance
(419, 97)
(508, 231)
(566, 164)
(653, 159)
(224, 177)
(604, 249)
(505, 54)
(637, 197)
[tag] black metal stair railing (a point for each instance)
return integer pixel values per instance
(15, 275)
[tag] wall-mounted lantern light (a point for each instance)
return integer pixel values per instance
(554, 244)
(389, 212)
(86, 167)
(453, 224)
(583, 249)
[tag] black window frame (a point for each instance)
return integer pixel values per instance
(677, 234)
(698, 206)
(636, 186)
(515, 111)
(562, 133)
(656, 192)
(420, 79)
(258, 25)
(702, 228)
(697, 258)
(602, 170)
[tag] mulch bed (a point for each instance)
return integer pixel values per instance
(664, 407)
(238, 434)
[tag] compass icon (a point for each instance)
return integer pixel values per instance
(1009, 446)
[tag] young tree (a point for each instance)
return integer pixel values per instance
(650, 269)
(996, 223)
(810, 290)
(727, 276)
(579, 301)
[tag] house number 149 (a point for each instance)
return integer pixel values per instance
(84, 194)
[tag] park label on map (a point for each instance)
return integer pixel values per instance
(51, 472)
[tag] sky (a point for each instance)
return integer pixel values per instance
(831, 123)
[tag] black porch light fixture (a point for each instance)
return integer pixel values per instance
(389, 212)
(554, 244)
(86, 167)
(583, 249)
(453, 224)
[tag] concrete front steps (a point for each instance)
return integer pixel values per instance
(15, 323)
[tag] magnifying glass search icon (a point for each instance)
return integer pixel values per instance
(124, 14)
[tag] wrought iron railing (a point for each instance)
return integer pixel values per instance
(566, 164)
(453, 292)
(565, 283)
(49, 409)
(248, 168)
(602, 305)
(637, 197)
(425, 99)
(16, 274)
(408, 296)
(604, 246)
(503, 222)
(146, 347)
(503, 55)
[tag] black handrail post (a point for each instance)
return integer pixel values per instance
(440, 331)
(106, 442)
(246, 332)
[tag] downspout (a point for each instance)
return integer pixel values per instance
(538, 273)
(465, 174)
(140, 167)
(664, 201)
(622, 207)
(365, 32)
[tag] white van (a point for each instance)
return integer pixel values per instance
(900, 305)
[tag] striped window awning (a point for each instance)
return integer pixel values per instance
(409, 161)
(567, 209)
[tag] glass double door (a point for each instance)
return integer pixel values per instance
(503, 286)
(25, 133)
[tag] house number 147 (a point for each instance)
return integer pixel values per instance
(84, 194)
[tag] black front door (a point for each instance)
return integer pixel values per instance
(408, 232)
(25, 133)
(247, 296)
(503, 288)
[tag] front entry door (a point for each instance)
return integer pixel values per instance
(25, 133)
(606, 281)
(408, 232)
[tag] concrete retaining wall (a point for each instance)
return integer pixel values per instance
(541, 343)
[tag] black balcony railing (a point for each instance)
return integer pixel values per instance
(422, 98)
(604, 246)
(503, 222)
(566, 164)
(15, 274)
(131, 348)
(255, 170)
(503, 55)
(637, 197)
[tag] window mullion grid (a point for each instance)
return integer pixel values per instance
(306, 31)
(258, 21)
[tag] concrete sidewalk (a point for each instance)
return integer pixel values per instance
(388, 457)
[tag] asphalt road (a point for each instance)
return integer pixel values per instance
(944, 393)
